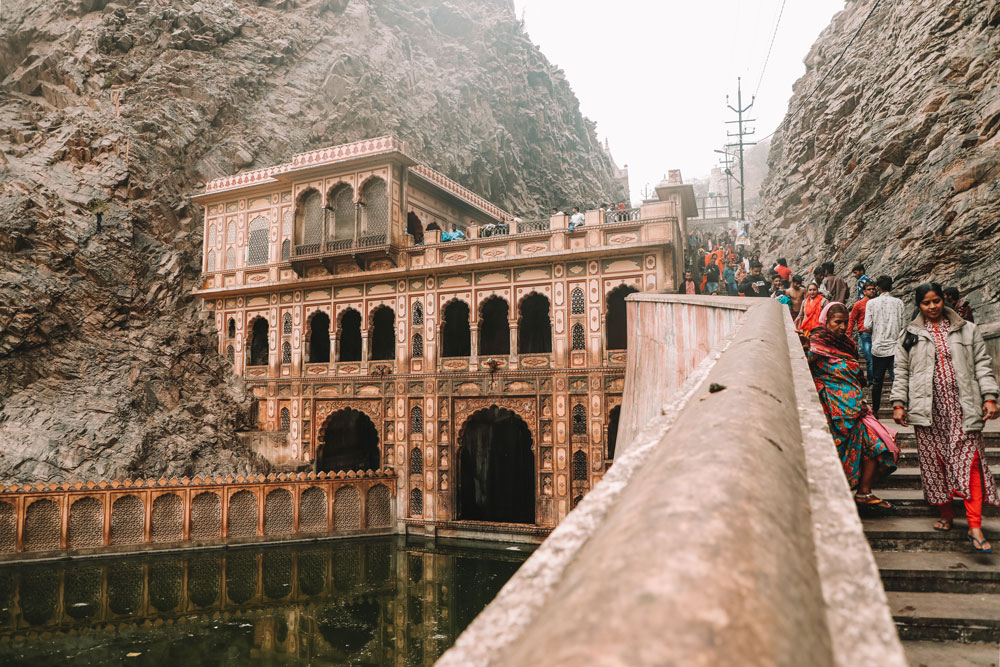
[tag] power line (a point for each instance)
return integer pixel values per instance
(832, 67)
(771, 46)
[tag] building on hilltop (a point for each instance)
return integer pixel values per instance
(484, 367)
(619, 174)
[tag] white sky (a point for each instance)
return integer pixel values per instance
(654, 74)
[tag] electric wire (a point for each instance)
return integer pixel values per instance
(771, 46)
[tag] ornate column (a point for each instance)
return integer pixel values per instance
(513, 343)
(474, 349)
(333, 346)
(364, 351)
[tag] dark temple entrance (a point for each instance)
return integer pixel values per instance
(350, 443)
(497, 469)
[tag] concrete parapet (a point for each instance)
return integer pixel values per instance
(724, 534)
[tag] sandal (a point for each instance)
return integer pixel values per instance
(977, 545)
(943, 525)
(870, 500)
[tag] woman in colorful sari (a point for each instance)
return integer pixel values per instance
(833, 360)
(812, 308)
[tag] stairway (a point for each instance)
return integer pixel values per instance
(944, 598)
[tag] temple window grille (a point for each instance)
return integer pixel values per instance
(418, 314)
(286, 419)
(231, 331)
(416, 461)
(580, 466)
(230, 259)
(286, 353)
(418, 346)
(231, 355)
(286, 224)
(416, 503)
(375, 204)
(231, 233)
(286, 324)
(576, 301)
(309, 221)
(417, 420)
(211, 237)
(257, 243)
(579, 419)
(210, 264)
(579, 339)
(341, 202)
(286, 250)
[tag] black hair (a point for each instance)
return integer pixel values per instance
(756, 265)
(782, 261)
(884, 283)
(925, 289)
(952, 293)
(859, 267)
(797, 279)
(828, 268)
(786, 284)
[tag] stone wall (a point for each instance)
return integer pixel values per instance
(708, 542)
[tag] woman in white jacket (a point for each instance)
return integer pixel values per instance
(945, 387)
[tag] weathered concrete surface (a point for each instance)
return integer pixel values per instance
(991, 334)
(701, 547)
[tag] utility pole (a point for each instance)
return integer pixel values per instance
(739, 110)
(726, 162)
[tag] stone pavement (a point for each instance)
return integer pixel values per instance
(944, 598)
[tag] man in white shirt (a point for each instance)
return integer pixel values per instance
(885, 318)
(575, 220)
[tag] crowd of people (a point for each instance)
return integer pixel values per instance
(934, 356)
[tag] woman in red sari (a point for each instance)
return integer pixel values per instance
(812, 308)
(833, 360)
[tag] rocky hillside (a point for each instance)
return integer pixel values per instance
(894, 160)
(117, 110)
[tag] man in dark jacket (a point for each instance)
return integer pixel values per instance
(689, 285)
(755, 284)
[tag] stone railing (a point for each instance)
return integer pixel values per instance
(724, 533)
(49, 520)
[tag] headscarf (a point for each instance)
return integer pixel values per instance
(830, 344)
(826, 309)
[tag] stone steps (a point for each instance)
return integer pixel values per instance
(942, 572)
(907, 533)
(910, 502)
(908, 456)
(946, 617)
(908, 478)
(941, 654)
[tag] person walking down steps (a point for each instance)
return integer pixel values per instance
(945, 387)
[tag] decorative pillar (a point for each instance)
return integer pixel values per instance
(334, 355)
(474, 343)
(364, 351)
(513, 343)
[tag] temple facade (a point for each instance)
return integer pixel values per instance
(386, 317)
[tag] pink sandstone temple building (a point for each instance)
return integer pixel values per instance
(387, 318)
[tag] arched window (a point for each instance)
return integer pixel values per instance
(231, 233)
(416, 461)
(286, 250)
(576, 301)
(350, 336)
(418, 347)
(341, 202)
(257, 243)
(210, 242)
(286, 419)
(210, 262)
(579, 419)
(418, 314)
(617, 320)
(319, 338)
(455, 333)
(286, 224)
(383, 334)
(231, 355)
(231, 330)
(286, 324)
(375, 209)
(309, 220)
(286, 352)
(416, 503)
(258, 343)
(534, 334)
(494, 327)
(579, 339)
(580, 466)
(417, 420)
(230, 259)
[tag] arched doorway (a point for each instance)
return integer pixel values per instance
(259, 343)
(534, 333)
(383, 335)
(617, 323)
(455, 334)
(494, 327)
(497, 469)
(613, 417)
(350, 442)
(350, 336)
(319, 338)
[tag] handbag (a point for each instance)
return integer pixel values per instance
(877, 429)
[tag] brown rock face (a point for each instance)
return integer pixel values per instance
(894, 160)
(115, 111)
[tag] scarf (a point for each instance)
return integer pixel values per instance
(833, 345)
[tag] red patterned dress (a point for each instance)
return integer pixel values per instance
(946, 452)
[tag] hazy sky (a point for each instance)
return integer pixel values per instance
(654, 74)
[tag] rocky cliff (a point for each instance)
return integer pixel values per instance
(116, 111)
(894, 159)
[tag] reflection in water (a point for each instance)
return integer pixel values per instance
(360, 602)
